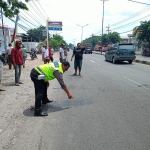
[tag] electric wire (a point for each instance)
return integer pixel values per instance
(132, 16)
(131, 23)
(139, 2)
(36, 12)
(30, 15)
(28, 21)
(42, 8)
(40, 12)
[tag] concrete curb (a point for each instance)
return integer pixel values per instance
(142, 62)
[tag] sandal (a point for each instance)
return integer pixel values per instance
(17, 84)
(20, 83)
(2, 90)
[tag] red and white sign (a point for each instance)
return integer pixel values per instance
(55, 23)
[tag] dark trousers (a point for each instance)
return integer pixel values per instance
(40, 89)
(17, 73)
(9, 61)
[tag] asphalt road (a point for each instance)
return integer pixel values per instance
(110, 110)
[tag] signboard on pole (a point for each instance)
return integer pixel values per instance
(54, 29)
(55, 25)
(44, 32)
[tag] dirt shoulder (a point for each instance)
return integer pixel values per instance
(16, 103)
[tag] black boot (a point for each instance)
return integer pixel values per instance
(38, 112)
(47, 101)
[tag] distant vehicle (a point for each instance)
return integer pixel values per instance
(104, 49)
(88, 50)
(68, 49)
(121, 52)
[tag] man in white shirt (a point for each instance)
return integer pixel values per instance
(61, 52)
(8, 55)
(46, 56)
(43, 50)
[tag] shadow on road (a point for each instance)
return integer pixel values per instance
(50, 108)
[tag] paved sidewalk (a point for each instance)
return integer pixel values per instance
(139, 58)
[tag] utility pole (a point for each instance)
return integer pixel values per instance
(108, 29)
(103, 15)
(2, 20)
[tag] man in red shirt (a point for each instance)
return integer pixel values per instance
(17, 61)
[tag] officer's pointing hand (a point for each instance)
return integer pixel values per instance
(70, 96)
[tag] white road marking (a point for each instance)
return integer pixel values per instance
(1, 130)
(136, 83)
(92, 61)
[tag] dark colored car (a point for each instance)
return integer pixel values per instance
(121, 52)
(88, 50)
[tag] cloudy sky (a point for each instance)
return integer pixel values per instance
(121, 15)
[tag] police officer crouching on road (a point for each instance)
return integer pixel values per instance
(40, 77)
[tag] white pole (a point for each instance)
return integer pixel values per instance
(47, 30)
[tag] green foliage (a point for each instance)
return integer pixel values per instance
(106, 39)
(54, 43)
(113, 37)
(71, 46)
(142, 32)
(59, 40)
(92, 41)
(37, 34)
(11, 7)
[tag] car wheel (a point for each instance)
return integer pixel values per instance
(113, 60)
(106, 59)
(130, 61)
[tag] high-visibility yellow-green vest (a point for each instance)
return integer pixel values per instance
(48, 70)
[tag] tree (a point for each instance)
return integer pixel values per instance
(142, 32)
(104, 39)
(59, 40)
(11, 7)
(37, 34)
(113, 37)
(54, 43)
(71, 46)
(92, 41)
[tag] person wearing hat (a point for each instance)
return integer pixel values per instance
(61, 52)
(17, 61)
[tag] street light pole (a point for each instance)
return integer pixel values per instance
(103, 15)
(82, 30)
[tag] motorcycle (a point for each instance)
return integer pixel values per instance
(146, 52)
(33, 54)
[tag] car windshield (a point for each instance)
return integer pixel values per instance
(128, 47)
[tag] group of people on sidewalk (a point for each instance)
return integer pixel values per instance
(41, 74)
